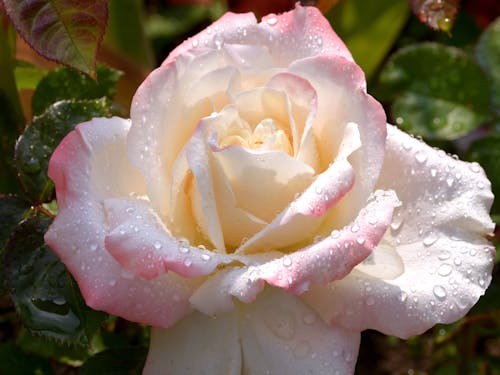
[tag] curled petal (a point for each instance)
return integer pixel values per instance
(438, 234)
(334, 257)
(141, 243)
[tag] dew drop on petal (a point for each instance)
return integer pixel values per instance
(93, 247)
(355, 228)
(272, 21)
(287, 261)
(188, 262)
(157, 245)
(445, 269)
(439, 292)
(429, 239)
(205, 257)
(421, 156)
(309, 319)
(282, 324)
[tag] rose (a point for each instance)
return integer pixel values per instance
(253, 157)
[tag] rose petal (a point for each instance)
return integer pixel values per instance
(303, 106)
(290, 36)
(438, 233)
(281, 335)
(342, 99)
(330, 259)
(213, 200)
(80, 170)
(305, 214)
(334, 257)
(199, 344)
(141, 243)
(163, 120)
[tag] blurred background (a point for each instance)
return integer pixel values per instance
(453, 48)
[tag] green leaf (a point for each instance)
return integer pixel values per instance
(369, 28)
(488, 56)
(66, 31)
(438, 92)
(28, 75)
(63, 83)
(44, 294)
(48, 348)
(36, 145)
(116, 361)
(14, 361)
(126, 28)
(486, 151)
(12, 211)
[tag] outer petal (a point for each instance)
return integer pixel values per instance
(199, 344)
(438, 233)
(290, 36)
(281, 336)
(141, 243)
(80, 170)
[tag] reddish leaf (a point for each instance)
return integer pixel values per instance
(66, 31)
(438, 14)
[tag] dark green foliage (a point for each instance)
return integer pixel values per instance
(46, 297)
(64, 83)
(36, 145)
(436, 91)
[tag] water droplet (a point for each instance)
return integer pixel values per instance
(309, 319)
(188, 262)
(183, 249)
(205, 257)
(93, 247)
(421, 156)
(433, 172)
(439, 292)
(219, 41)
(287, 261)
(355, 228)
(403, 296)
(272, 21)
(195, 43)
(450, 181)
(474, 167)
(157, 245)
(445, 269)
(282, 324)
(370, 301)
(457, 261)
(335, 233)
(444, 255)
(429, 239)
(360, 240)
